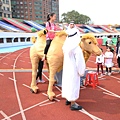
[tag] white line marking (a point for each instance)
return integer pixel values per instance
(48, 80)
(26, 109)
(109, 91)
(22, 61)
(102, 78)
(4, 115)
(118, 81)
(26, 85)
(110, 94)
(11, 79)
(13, 66)
(54, 98)
(5, 56)
(1, 74)
(5, 63)
(47, 104)
(90, 115)
(58, 88)
(58, 95)
(115, 77)
(16, 89)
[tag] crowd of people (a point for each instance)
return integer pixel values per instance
(107, 58)
(73, 57)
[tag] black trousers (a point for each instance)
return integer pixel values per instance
(110, 69)
(118, 61)
(40, 67)
(48, 42)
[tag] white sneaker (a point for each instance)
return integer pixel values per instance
(106, 73)
(40, 81)
(109, 74)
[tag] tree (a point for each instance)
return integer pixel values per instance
(76, 17)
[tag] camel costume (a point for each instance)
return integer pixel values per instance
(55, 57)
(36, 54)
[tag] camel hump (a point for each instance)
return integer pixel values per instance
(33, 39)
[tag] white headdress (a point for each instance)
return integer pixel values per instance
(72, 41)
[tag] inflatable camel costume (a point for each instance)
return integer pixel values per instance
(55, 56)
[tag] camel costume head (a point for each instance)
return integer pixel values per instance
(89, 45)
(55, 56)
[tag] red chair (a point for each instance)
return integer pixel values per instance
(92, 79)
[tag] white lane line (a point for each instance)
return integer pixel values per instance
(90, 115)
(5, 63)
(1, 74)
(115, 77)
(5, 56)
(118, 81)
(16, 89)
(109, 92)
(48, 80)
(58, 95)
(4, 115)
(13, 66)
(102, 78)
(11, 79)
(26, 109)
(54, 98)
(26, 85)
(47, 104)
(22, 61)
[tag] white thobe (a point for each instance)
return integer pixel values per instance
(73, 67)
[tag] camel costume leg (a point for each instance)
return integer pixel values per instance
(50, 92)
(34, 87)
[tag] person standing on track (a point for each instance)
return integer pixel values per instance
(100, 62)
(73, 67)
(108, 61)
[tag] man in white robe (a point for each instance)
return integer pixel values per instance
(73, 67)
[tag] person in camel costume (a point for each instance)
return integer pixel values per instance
(36, 54)
(55, 57)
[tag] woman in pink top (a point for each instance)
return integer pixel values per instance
(51, 27)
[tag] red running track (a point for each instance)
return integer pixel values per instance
(18, 103)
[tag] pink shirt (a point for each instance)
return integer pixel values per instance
(50, 26)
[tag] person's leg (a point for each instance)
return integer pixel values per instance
(110, 70)
(106, 70)
(98, 68)
(48, 42)
(41, 63)
(40, 70)
(102, 68)
(118, 61)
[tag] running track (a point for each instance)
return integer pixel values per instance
(18, 103)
